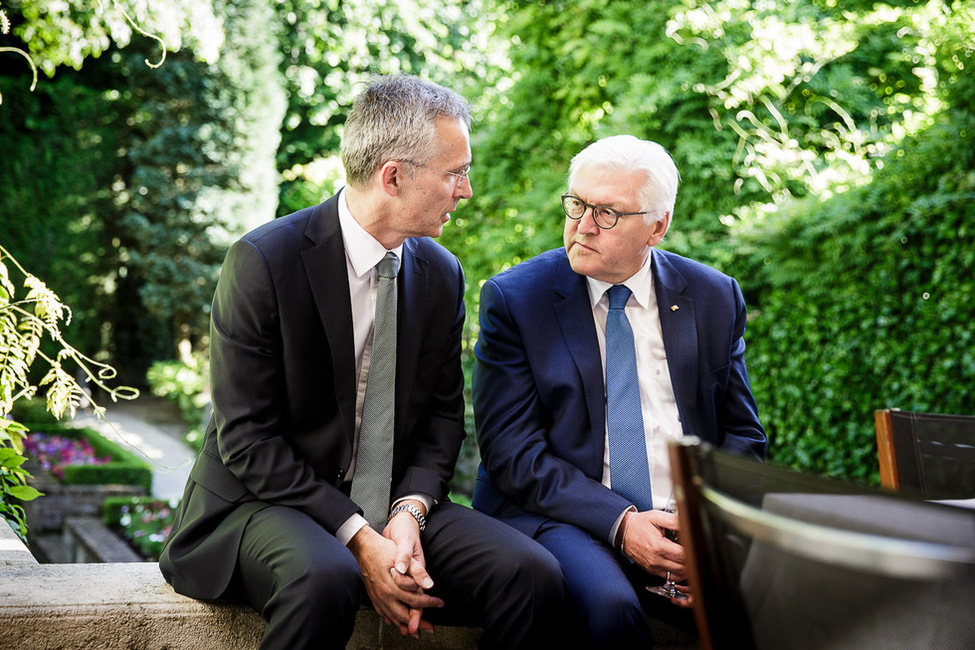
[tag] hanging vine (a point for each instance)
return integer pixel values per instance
(24, 323)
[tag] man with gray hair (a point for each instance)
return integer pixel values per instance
(590, 359)
(339, 411)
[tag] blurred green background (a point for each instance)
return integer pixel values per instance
(826, 152)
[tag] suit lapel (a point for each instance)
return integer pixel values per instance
(328, 278)
(680, 332)
(574, 313)
(411, 301)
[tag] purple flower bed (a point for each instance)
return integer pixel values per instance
(53, 452)
(143, 522)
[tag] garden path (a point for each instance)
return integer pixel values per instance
(154, 428)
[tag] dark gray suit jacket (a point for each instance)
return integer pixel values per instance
(284, 389)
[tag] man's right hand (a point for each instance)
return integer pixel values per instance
(645, 543)
(394, 595)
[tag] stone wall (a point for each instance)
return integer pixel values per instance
(59, 502)
(125, 606)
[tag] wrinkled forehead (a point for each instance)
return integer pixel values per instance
(608, 184)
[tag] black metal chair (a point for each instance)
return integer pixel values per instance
(931, 455)
(782, 559)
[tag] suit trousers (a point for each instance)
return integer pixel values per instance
(308, 587)
(607, 592)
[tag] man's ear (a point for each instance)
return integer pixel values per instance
(391, 177)
(658, 230)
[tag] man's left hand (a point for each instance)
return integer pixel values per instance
(409, 570)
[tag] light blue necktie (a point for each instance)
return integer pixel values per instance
(628, 465)
(374, 456)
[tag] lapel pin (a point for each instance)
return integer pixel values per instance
(674, 308)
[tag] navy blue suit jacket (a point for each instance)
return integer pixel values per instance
(284, 389)
(539, 399)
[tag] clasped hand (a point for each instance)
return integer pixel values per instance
(394, 573)
(646, 545)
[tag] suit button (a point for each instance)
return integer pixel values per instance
(339, 475)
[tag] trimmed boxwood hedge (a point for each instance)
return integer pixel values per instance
(125, 468)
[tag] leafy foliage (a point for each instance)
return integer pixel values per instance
(56, 185)
(187, 384)
(69, 32)
(866, 298)
(24, 323)
(199, 172)
(758, 102)
(795, 127)
(13, 478)
(154, 171)
(770, 111)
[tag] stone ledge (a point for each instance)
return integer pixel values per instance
(62, 501)
(121, 606)
(118, 606)
(13, 552)
(89, 540)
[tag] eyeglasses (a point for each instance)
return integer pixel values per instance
(604, 216)
(459, 176)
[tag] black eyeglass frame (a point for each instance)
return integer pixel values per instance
(585, 206)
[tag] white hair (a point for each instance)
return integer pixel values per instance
(625, 154)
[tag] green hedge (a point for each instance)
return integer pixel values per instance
(865, 302)
(125, 467)
(32, 410)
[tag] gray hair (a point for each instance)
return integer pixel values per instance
(625, 154)
(394, 119)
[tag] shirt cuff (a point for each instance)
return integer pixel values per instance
(616, 527)
(356, 522)
(425, 499)
(352, 525)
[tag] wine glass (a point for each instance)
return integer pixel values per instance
(669, 588)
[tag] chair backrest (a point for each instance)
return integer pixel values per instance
(782, 559)
(926, 454)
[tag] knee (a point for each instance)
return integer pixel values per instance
(547, 573)
(536, 571)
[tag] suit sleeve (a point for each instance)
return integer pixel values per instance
(515, 429)
(436, 405)
(249, 395)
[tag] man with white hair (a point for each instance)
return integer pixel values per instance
(590, 359)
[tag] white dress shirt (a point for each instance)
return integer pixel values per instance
(661, 419)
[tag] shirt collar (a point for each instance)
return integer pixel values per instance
(640, 283)
(362, 249)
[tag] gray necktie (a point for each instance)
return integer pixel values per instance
(374, 457)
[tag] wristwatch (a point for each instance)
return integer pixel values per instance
(413, 510)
